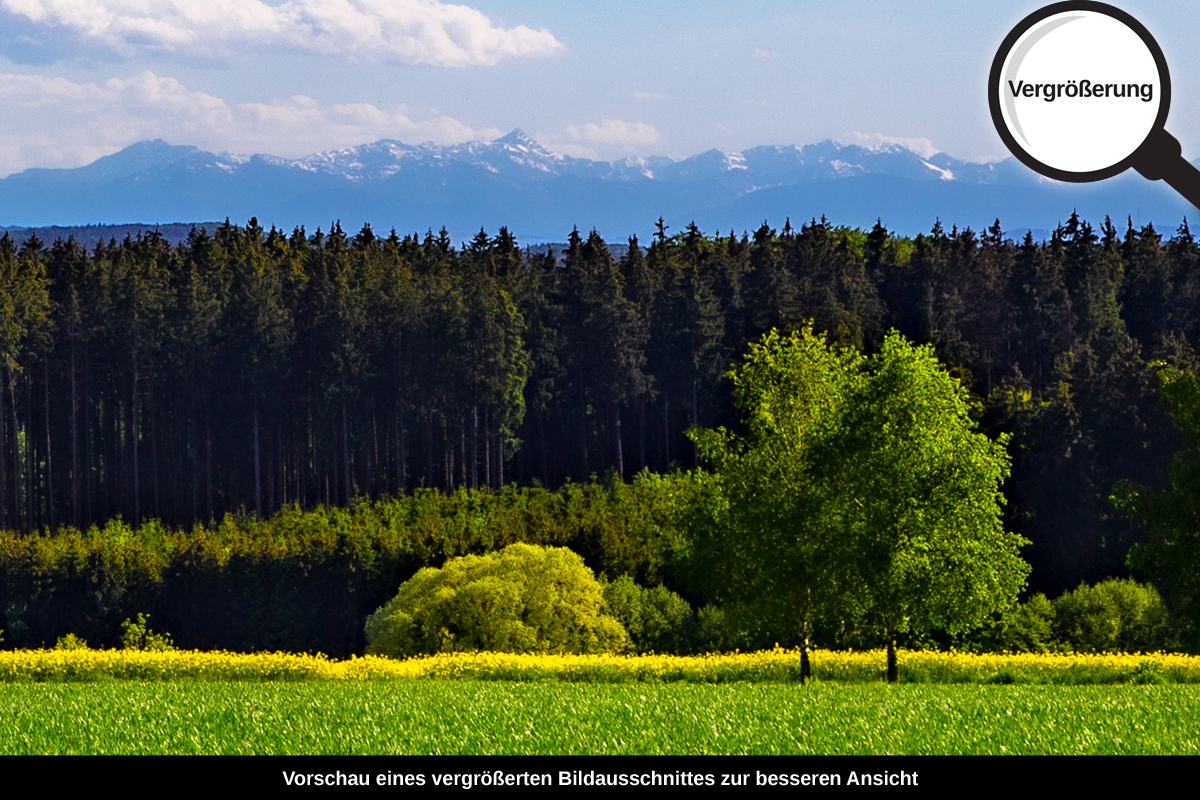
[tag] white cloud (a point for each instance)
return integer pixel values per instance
(765, 55)
(647, 97)
(919, 145)
(65, 124)
(394, 31)
(607, 139)
(615, 132)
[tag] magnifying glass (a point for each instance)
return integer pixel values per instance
(1079, 92)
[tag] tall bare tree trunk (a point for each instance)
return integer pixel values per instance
(346, 445)
(429, 481)
(258, 511)
(893, 669)
(666, 431)
(805, 666)
(74, 444)
(133, 433)
(281, 471)
(546, 481)
(583, 434)
(208, 480)
(49, 461)
(642, 432)
(154, 464)
(373, 473)
(89, 455)
(620, 450)
(462, 451)
(695, 419)
(3, 462)
(487, 447)
(31, 504)
(475, 446)
(402, 477)
(274, 471)
(401, 448)
(16, 451)
(499, 461)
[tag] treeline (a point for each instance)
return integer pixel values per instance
(251, 370)
(306, 581)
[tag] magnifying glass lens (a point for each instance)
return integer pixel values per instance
(1080, 91)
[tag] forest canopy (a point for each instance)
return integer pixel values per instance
(252, 369)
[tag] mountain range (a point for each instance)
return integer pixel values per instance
(541, 195)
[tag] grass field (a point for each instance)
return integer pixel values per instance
(187, 702)
(470, 717)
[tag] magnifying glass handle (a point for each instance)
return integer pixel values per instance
(1161, 158)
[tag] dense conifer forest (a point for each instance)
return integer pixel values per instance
(252, 370)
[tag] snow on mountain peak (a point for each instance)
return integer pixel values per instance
(946, 175)
(518, 157)
(881, 143)
(517, 138)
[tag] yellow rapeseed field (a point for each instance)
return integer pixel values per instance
(775, 666)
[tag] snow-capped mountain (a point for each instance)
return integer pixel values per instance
(518, 157)
(539, 194)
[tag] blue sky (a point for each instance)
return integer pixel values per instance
(597, 79)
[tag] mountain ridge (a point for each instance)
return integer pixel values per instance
(517, 182)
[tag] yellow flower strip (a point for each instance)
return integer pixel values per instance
(768, 666)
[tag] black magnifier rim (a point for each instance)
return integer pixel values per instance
(998, 65)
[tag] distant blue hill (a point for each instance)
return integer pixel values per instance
(540, 195)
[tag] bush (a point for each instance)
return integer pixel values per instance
(70, 642)
(1114, 615)
(1029, 628)
(522, 599)
(657, 620)
(138, 636)
(1025, 628)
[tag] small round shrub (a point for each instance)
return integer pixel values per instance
(70, 642)
(522, 599)
(1114, 615)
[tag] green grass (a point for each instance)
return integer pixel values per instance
(434, 717)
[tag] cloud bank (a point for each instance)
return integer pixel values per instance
(603, 140)
(418, 32)
(59, 123)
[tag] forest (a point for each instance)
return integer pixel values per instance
(250, 370)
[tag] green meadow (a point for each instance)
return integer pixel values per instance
(464, 717)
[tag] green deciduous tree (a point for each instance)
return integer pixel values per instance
(758, 544)
(1171, 551)
(904, 477)
(656, 619)
(861, 491)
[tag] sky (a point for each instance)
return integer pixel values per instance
(603, 80)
